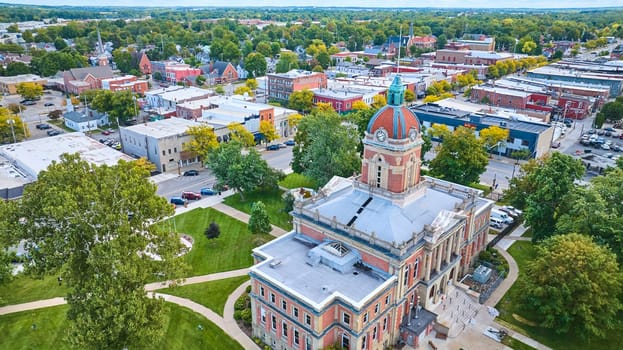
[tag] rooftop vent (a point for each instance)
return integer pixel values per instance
(275, 263)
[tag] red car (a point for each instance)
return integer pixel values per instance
(105, 132)
(191, 195)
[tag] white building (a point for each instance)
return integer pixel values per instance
(161, 142)
(80, 121)
(168, 98)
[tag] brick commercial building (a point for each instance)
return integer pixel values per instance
(79, 80)
(370, 255)
(8, 85)
(126, 82)
(281, 85)
(173, 71)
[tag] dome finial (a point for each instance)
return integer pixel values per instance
(396, 92)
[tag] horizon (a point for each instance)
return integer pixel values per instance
(403, 4)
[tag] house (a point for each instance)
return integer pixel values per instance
(85, 121)
(219, 72)
(371, 253)
(144, 64)
(79, 80)
(281, 85)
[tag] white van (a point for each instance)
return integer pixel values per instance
(496, 223)
(496, 214)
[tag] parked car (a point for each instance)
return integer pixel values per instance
(517, 211)
(54, 132)
(608, 133)
(178, 201)
(591, 131)
(28, 102)
(191, 195)
(600, 132)
(510, 213)
(605, 147)
(608, 155)
(191, 173)
(48, 104)
(289, 143)
(43, 126)
(105, 132)
(495, 223)
(207, 191)
(272, 147)
(611, 129)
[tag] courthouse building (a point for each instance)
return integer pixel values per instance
(370, 255)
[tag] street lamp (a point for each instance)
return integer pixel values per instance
(11, 122)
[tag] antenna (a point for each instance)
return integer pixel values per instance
(399, 46)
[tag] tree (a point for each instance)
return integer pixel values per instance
(461, 158)
(59, 44)
(241, 90)
(360, 105)
(613, 111)
(573, 285)
(596, 210)
(30, 90)
(200, 80)
(157, 76)
(325, 147)
(555, 178)
(48, 63)
(77, 220)
(263, 48)
(294, 120)
(17, 68)
(287, 61)
(493, 135)
(528, 47)
(259, 223)
(11, 124)
(324, 60)
(268, 130)
(240, 134)
(213, 231)
(251, 84)
(301, 100)
(203, 140)
(123, 60)
(119, 104)
(409, 96)
(255, 64)
(242, 172)
(378, 101)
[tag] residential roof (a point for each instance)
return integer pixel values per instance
(81, 117)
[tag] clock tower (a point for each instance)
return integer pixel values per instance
(392, 145)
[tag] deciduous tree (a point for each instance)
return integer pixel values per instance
(268, 130)
(11, 124)
(287, 61)
(242, 171)
(461, 158)
(301, 100)
(240, 134)
(492, 135)
(574, 285)
(259, 223)
(30, 90)
(95, 224)
(203, 140)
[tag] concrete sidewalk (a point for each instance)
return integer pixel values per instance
(39, 304)
(197, 279)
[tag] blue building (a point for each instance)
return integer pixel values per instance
(567, 75)
(535, 137)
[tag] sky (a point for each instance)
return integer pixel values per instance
(342, 3)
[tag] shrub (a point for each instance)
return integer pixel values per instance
(213, 231)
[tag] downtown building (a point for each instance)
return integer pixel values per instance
(370, 255)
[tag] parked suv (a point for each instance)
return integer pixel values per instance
(43, 126)
(191, 195)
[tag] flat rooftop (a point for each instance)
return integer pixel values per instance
(295, 73)
(163, 128)
(344, 93)
(21, 78)
(503, 91)
(185, 94)
(316, 285)
(36, 155)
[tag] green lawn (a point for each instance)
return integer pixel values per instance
(23, 289)
(295, 180)
(528, 233)
(212, 295)
(523, 252)
(516, 344)
(230, 251)
(274, 206)
(181, 331)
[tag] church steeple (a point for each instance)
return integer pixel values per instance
(392, 145)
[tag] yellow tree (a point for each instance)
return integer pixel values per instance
(379, 101)
(251, 84)
(324, 107)
(11, 125)
(438, 130)
(30, 90)
(268, 130)
(360, 106)
(294, 120)
(493, 134)
(203, 141)
(239, 133)
(241, 90)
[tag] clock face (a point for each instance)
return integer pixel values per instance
(413, 135)
(381, 135)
